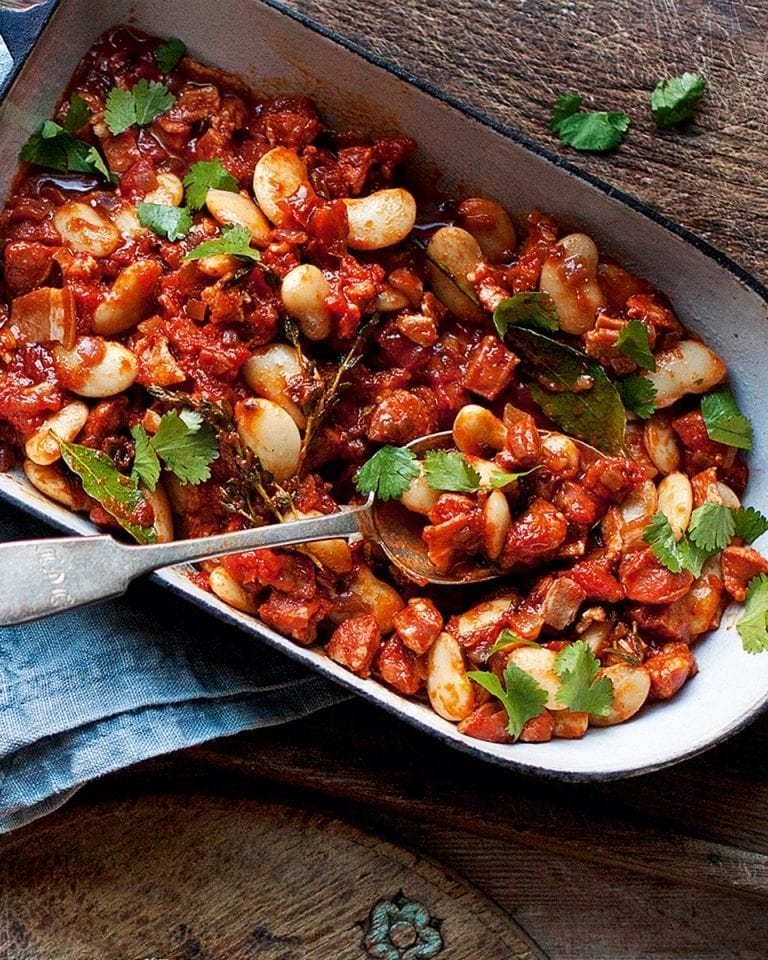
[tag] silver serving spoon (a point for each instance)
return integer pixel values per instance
(41, 577)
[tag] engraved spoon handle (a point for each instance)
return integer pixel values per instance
(42, 577)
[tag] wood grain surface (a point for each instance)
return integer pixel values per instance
(674, 864)
(511, 58)
(224, 880)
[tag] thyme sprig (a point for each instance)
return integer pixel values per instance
(249, 490)
(326, 388)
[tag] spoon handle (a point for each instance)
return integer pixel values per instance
(42, 577)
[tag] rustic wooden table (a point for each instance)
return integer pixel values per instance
(674, 864)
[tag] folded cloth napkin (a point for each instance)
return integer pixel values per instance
(93, 690)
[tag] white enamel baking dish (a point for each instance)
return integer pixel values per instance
(278, 51)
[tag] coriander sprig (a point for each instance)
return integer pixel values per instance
(711, 528)
(674, 100)
(522, 697)
(182, 444)
(588, 131)
(388, 473)
(139, 106)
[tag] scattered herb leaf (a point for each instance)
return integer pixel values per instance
(78, 115)
(662, 541)
(118, 495)
(207, 175)
(99, 164)
(594, 132)
(749, 524)
(752, 626)
(120, 110)
(693, 556)
(168, 55)
(572, 390)
(55, 148)
(173, 223)
(676, 556)
(581, 689)
(521, 695)
(633, 343)
(724, 421)
(500, 478)
(146, 464)
(531, 309)
(674, 101)
(509, 639)
(565, 106)
(184, 444)
(387, 473)
(140, 105)
(712, 526)
(638, 394)
(234, 241)
(449, 470)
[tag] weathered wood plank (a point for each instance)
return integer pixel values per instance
(224, 878)
(703, 823)
(511, 59)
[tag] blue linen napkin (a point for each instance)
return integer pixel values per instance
(87, 692)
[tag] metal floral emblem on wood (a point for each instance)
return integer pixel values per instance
(401, 929)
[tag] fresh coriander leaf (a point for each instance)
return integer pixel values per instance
(500, 478)
(120, 110)
(388, 473)
(207, 175)
(152, 99)
(186, 446)
(173, 223)
(633, 343)
(449, 470)
(521, 695)
(168, 55)
(146, 466)
(53, 147)
(78, 115)
(752, 626)
(638, 394)
(581, 690)
(692, 556)
(724, 422)
(749, 524)
(662, 541)
(99, 164)
(118, 495)
(532, 309)
(674, 101)
(508, 639)
(235, 241)
(565, 106)
(571, 389)
(712, 526)
(595, 132)
(140, 105)
(675, 556)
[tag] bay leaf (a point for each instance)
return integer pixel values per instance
(118, 495)
(572, 390)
